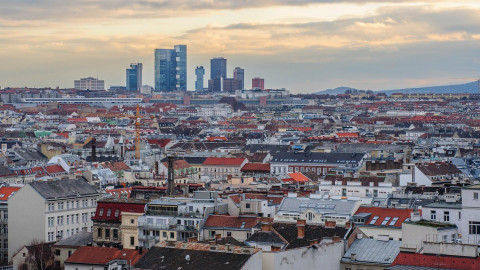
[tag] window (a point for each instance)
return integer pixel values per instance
(5, 243)
(77, 203)
(394, 220)
(475, 195)
(100, 213)
(117, 212)
(375, 218)
(51, 221)
(115, 233)
(459, 215)
(60, 206)
(109, 211)
(60, 220)
(164, 234)
(249, 234)
(50, 236)
(5, 214)
(76, 217)
(107, 233)
(446, 216)
(444, 238)
(99, 233)
(132, 221)
(433, 214)
(68, 219)
(172, 235)
(474, 227)
(385, 221)
(247, 205)
(57, 252)
(51, 207)
(229, 233)
(132, 241)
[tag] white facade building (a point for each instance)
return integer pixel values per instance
(50, 211)
(89, 83)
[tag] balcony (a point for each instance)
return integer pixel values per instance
(146, 237)
(153, 226)
(173, 214)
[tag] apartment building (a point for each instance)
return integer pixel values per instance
(50, 211)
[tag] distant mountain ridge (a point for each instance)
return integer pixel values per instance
(471, 87)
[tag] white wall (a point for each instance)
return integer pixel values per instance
(323, 256)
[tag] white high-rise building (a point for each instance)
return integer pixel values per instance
(90, 83)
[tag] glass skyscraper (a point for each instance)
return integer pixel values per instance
(239, 75)
(218, 68)
(171, 69)
(199, 72)
(134, 77)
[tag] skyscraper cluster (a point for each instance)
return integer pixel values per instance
(218, 77)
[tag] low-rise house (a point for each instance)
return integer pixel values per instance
(240, 228)
(101, 258)
(316, 211)
(65, 248)
(108, 218)
(200, 257)
(129, 229)
(428, 174)
(378, 222)
(374, 254)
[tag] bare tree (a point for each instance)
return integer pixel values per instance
(39, 256)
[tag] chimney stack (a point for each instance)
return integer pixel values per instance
(266, 224)
(301, 228)
(275, 248)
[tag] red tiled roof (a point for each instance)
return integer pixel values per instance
(116, 209)
(6, 192)
(347, 135)
(179, 164)
(382, 213)
(299, 177)
(103, 255)
(221, 221)
(444, 262)
(220, 138)
(224, 161)
(256, 167)
(54, 169)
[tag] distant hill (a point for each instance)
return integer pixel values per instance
(471, 87)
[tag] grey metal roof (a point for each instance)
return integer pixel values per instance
(365, 148)
(373, 251)
(77, 240)
(444, 205)
(63, 189)
(318, 158)
(319, 205)
(410, 267)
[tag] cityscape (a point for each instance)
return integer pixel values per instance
(330, 135)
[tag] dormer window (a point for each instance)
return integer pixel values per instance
(109, 212)
(101, 212)
(117, 212)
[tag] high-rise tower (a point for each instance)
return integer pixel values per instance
(199, 72)
(171, 69)
(134, 77)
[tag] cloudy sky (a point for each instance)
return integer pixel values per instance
(302, 45)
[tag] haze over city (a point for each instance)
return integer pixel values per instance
(304, 46)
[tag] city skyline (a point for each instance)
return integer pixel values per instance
(304, 46)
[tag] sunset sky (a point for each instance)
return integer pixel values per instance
(302, 45)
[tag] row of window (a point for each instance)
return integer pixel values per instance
(106, 235)
(221, 170)
(446, 215)
(60, 234)
(385, 222)
(71, 204)
(109, 212)
(69, 219)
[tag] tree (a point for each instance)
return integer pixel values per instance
(40, 256)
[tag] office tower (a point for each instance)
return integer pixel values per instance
(239, 75)
(230, 84)
(199, 72)
(134, 77)
(258, 83)
(181, 67)
(171, 69)
(89, 83)
(218, 68)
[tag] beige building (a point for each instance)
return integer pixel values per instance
(223, 168)
(129, 229)
(50, 211)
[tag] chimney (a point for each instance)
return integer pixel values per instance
(266, 224)
(330, 224)
(353, 256)
(275, 248)
(301, 228)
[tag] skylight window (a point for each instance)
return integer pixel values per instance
(243, 225)
(385, 221)
(394, 220)
(375, 218)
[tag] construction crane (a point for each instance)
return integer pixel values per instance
(137, 134)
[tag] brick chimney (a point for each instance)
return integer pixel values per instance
(301, 228)
(330, 224)
(266, 224)
(275, 248)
